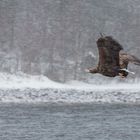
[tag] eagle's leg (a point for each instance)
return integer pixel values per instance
(121, 75)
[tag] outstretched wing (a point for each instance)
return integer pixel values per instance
(108, 53)
(126, 58)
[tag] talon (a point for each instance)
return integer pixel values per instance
(121, 75)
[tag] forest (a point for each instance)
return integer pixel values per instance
(57, 38)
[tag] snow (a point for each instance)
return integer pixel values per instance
(23, 81)
(22, 88)
(91, 54)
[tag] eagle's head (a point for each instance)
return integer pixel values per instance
(92, 70)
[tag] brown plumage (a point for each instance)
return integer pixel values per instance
(112, 61)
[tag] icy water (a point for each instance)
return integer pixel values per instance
(69, 122)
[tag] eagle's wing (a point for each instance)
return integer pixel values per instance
(126, 58)
(108, 53)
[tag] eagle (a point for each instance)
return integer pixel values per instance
(113, 61)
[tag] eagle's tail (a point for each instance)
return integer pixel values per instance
(126, 70)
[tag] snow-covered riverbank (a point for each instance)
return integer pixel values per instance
(25, 88)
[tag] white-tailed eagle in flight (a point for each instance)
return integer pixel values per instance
(112, 61)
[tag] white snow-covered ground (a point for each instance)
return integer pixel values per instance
(22, 88)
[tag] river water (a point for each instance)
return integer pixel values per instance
(69, 121)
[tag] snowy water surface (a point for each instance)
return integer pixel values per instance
(23, 88)
(36, 108)
(69, 122)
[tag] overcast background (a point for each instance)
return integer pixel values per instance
(57, 38)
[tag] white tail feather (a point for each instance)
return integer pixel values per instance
(128, 71)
